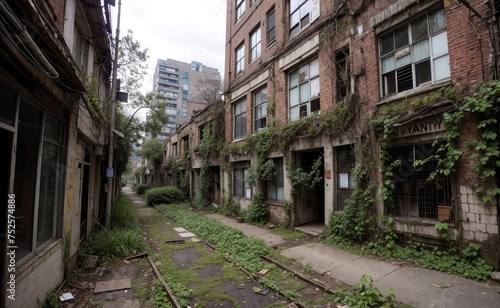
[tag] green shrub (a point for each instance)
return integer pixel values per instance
(258, 212)
(142, 188)
(123, 214)
(164, 195)
(110, 244)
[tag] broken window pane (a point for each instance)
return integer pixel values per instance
(401, 37)
(387, 44)
(437, 21)
(419, 29)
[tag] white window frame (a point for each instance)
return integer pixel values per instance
(300, 15)
(239, 112)
(260, 104)
(255, 44)
(407, 58)
(304, 92)
(240, 9)
(240, 59)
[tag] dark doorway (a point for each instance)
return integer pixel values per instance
(84, 203)
(310, 200)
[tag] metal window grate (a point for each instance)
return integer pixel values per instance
(415, 195)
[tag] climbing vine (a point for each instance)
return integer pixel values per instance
(94, 101)
(482, 111)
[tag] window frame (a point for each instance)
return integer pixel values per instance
(240, 59)
(342, 73)
(312, 103)
(240, 186)
(273, 186)
(262, 104)
(255, 49)
(240, 9)
(412, 193)
(345, 162)
(271, 29)
(43, 206)
(403, 56)
(239, 130)
(303, 7)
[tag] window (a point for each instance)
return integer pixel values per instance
(414, 194)
(345, 180)
(260, 109)
(299, 15)
(342, 66)
(185, 141)
(174, 149)
(303, 90)
(414, 54)
(240, 119)
(271, 34)
(275, 187)
(255, 48)
(241, 188)
(240, 9)
(80, 49)
(34, 231)
(240, 59)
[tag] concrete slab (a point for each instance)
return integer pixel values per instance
(271, 239)
(179, 230)
(187, 234)
(112, 285)
(320, 257)
(313, 229)
(421, 288)
(195, 239)
(351, 272)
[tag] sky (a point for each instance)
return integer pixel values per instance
(183, 30)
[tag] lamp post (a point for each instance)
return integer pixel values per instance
(110, 171)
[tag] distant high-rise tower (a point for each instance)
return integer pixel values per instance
(182, 84)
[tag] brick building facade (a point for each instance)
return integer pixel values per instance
(316, 80)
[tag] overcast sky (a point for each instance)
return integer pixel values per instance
(183, 30)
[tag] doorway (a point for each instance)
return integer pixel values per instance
(310, 200)
(84, 204)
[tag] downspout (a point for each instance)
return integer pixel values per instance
(20, 31)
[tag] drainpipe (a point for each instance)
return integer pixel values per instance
(22, 34)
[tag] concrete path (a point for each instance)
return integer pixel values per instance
(412, 285)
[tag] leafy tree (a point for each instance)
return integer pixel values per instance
(132, 69)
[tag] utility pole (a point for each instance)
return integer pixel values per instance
(110, 174)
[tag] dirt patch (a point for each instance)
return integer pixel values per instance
(183, 257)
(246, 295)
(210, 271)
(82, 282)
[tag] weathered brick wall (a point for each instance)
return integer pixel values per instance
(470, 62)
